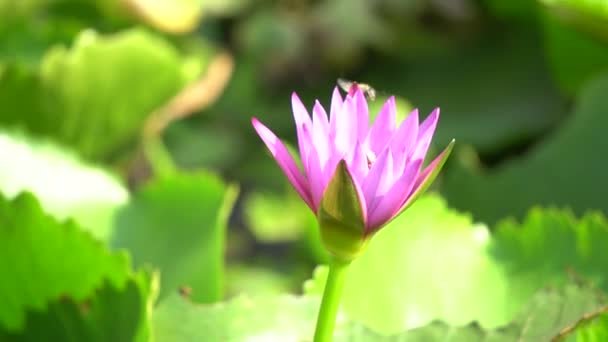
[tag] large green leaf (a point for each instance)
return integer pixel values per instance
(432, 263)
(550, 246)
(109, 314)
(28, 28)
(544, 317)
(494, 92)
(592, 328)
(429, 263)
(565, 170)
(257, 277)
(590, 16)
(43, 261)
(289, 318)
(185, 141)
(178, 224)
(103, 86)
(521, 10)
(573, 56)
(65, 185)
(280, 318)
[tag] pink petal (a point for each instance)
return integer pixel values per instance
(427, 176)
(315, 179)
(389, 205)
(357, 161)
(404, 140)
(373, 176)
(303, 126)
(346, 127)
(379, 179)
(388, 176)
(285, 161)
(430, 121)
(383, 127)
(336, 106)
(425, 134)
(362, 115)
(406, 135)
(320, 132)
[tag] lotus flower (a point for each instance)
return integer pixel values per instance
(373, 172)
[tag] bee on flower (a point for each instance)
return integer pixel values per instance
(368, 91)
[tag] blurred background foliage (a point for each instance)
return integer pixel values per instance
(132, 118)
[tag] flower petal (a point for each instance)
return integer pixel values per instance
(379, 179)
(315, 179)
(346, 127)
(390, 203)
(426, 178)
(404, 140)
(320, 132)
(362, 113)
(406, 135)
(357, 162)
(285, 160)
(383, 127)
(336, 106)
(303, 126)
(425, 134)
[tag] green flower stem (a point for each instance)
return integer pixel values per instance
(331, 300)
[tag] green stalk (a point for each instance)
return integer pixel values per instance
(331, 300)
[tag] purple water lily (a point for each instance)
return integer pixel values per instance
(383, 162)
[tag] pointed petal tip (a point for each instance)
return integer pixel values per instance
(258, 126)
(427, 176)
(263, 131)
(392, 102)
(436, 112)
(285, 160)
(336, 95)
(443, 156)
(447, 150)
(450, 145)
(415, 111)
(296, 101)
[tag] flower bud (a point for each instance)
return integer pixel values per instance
(341, 216)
